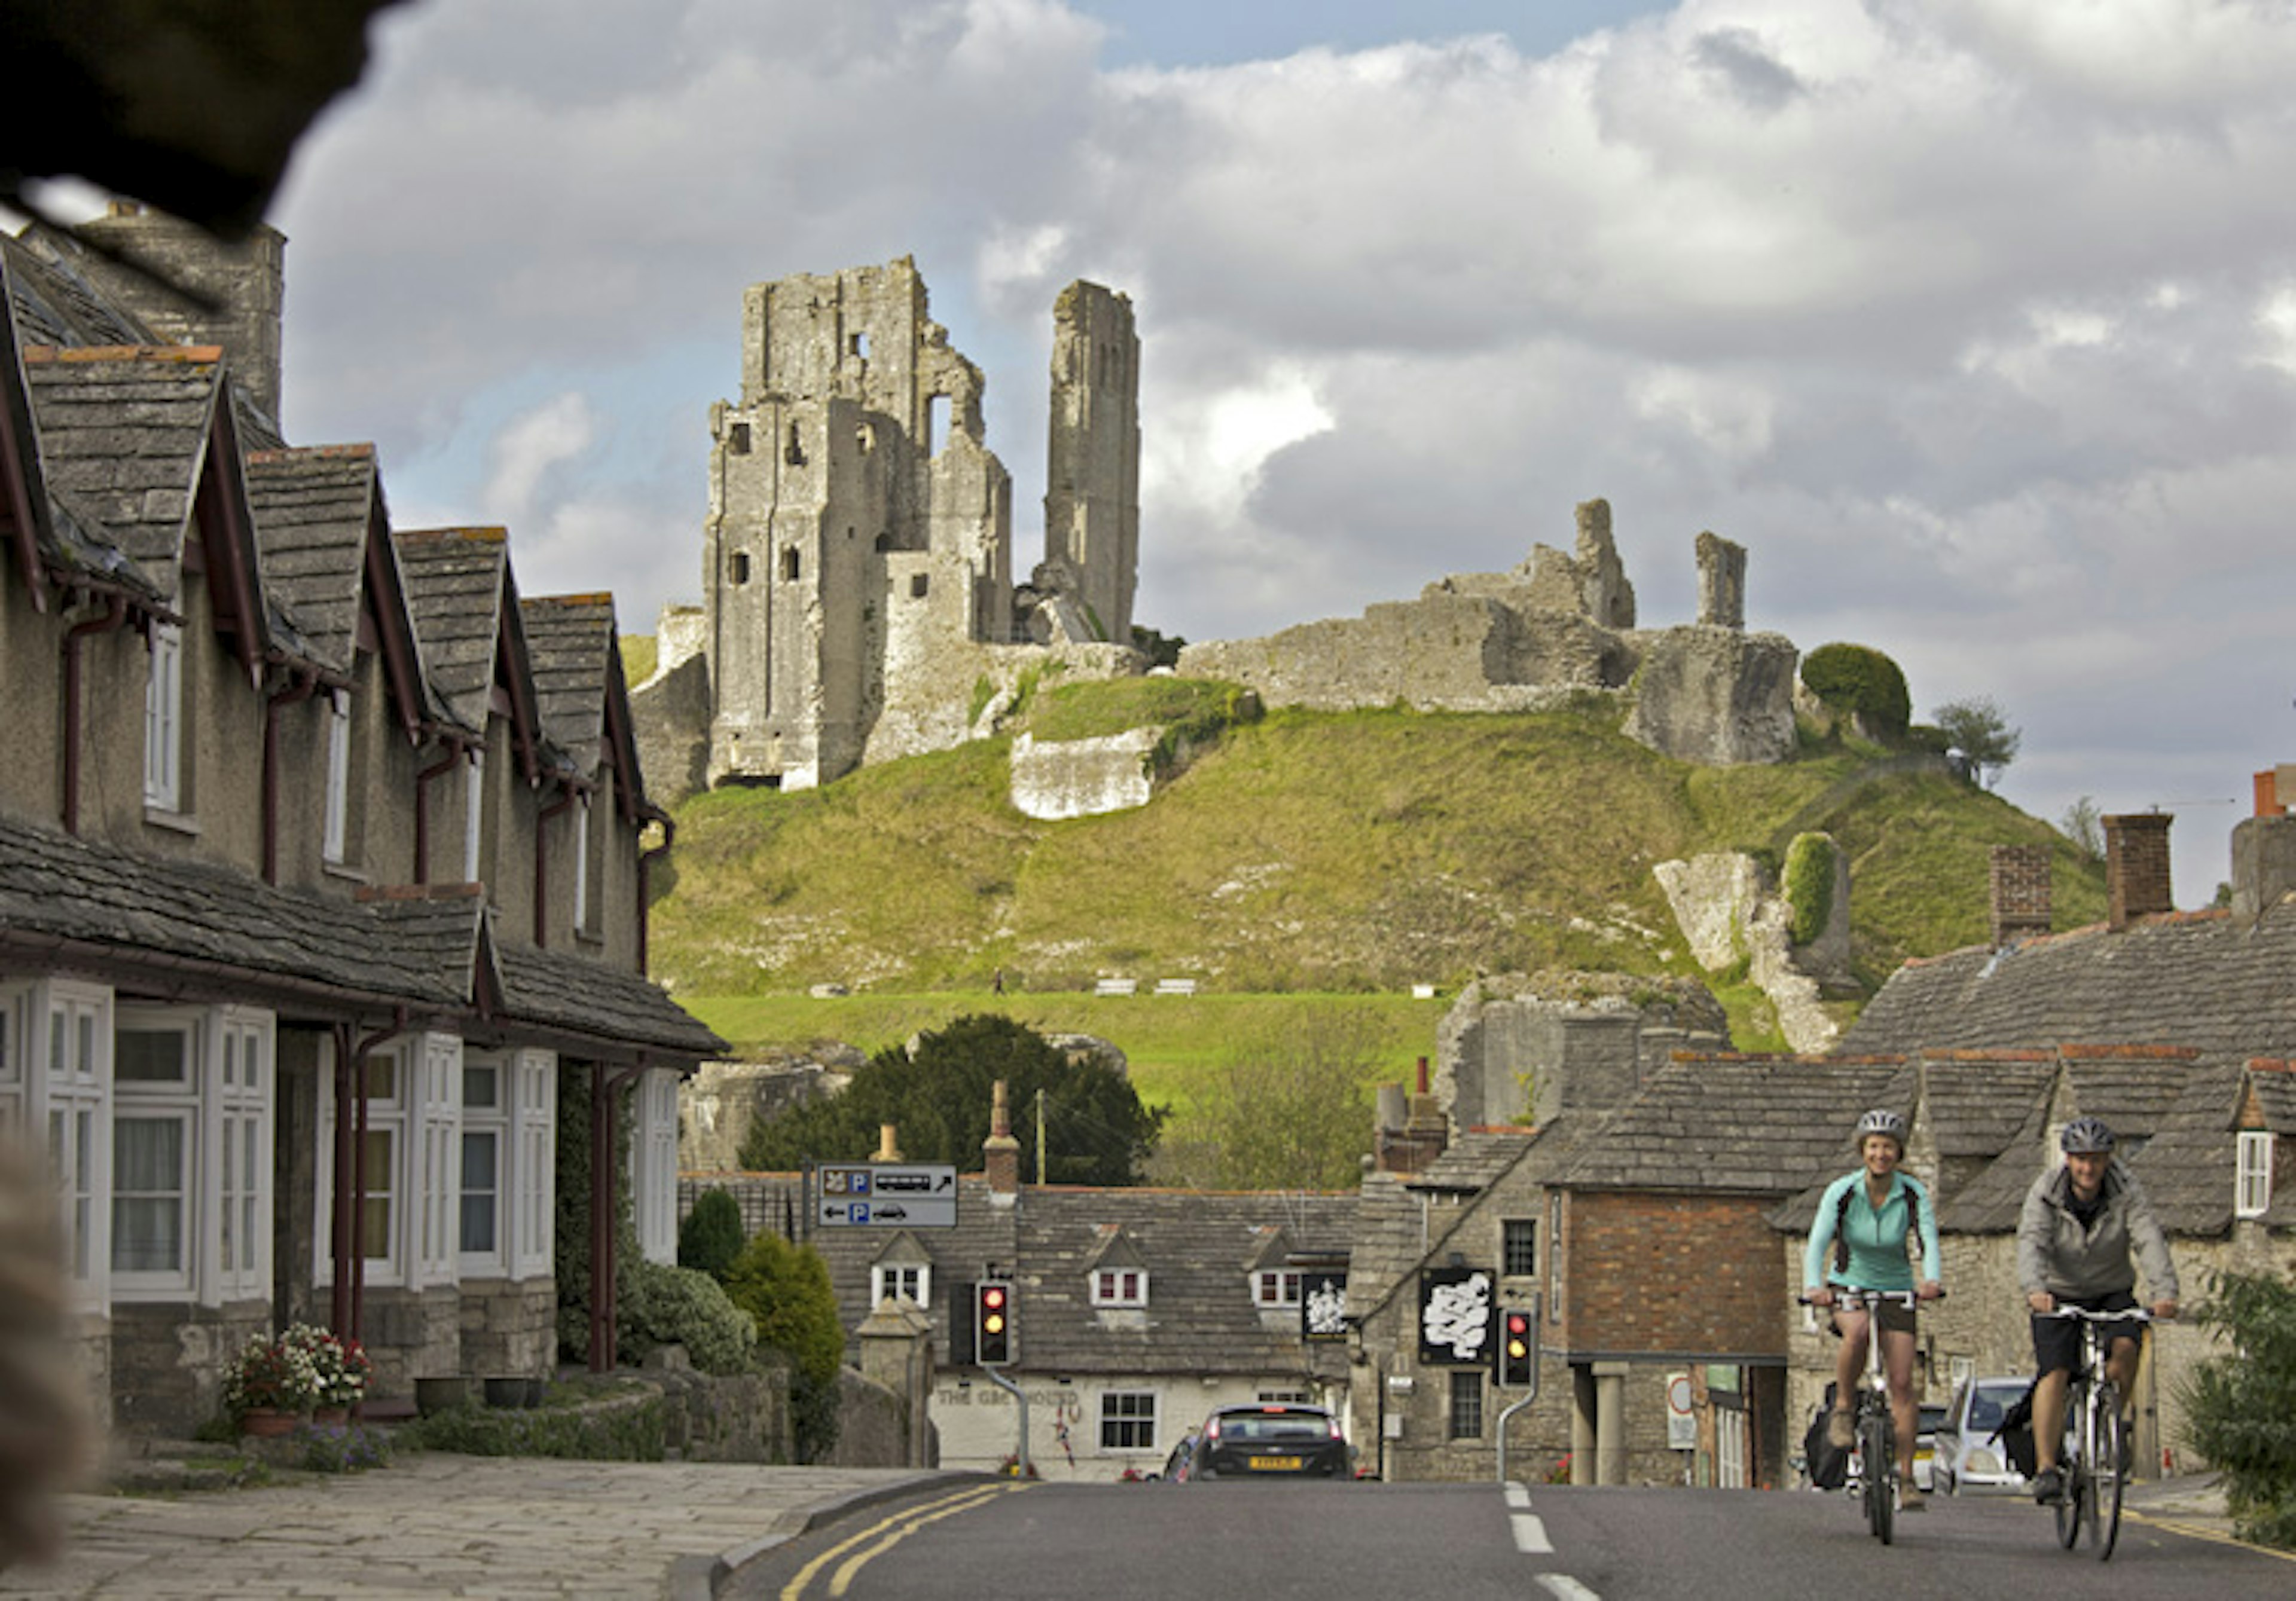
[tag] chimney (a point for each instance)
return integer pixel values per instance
(1001, 1154)
(2137, 866)
(193, 288)
(2020, 893)
(1424, 1136)
(2263, 865)
(889, 1147)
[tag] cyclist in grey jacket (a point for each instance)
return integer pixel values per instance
(2080, 1226)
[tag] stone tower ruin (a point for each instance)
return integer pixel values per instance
(857, 582)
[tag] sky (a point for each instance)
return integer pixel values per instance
(1974, 321)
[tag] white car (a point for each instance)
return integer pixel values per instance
(1971, 1455)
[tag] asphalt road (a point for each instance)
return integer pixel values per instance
(999, 1539)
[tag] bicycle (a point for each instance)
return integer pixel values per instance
(1875, 1431)
(2095, 1455)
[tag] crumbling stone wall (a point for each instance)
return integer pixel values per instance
(1525, 1049)
(1553, 627)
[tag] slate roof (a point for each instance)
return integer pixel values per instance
(1748, 1124)
(457, 579)
(569, 640)
(124, 434)
(1973, 1101)
(553, 989)
(2197, 979)
(314, 510)
(53, 301)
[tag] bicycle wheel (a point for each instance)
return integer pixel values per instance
(2111, 1474)
(1880, 1474)
(2075, 1468)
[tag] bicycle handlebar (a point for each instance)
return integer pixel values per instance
(2135, 1314)
(1856, 1297)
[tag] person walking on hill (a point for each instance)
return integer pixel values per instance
(1869, 1218)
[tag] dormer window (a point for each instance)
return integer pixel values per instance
(1119, 1287)
(163, 720)
(2252, 1190)
(888, 1280)
(1276, 1290)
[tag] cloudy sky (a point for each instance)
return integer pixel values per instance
(1974, 321)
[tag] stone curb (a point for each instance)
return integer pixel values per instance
(702, 1578)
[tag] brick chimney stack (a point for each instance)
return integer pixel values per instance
(2020, 893)
(194, 289)
(1001, 1153)
(2137, 866)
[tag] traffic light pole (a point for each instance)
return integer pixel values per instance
(1528, 1398)
(1020, 1452)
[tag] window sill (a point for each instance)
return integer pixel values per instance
(346, 872)
(174, 822)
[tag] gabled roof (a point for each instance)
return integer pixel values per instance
(580, 690)
(314, 510)
(54, 303)
(2198, 979)
(464, 603)
(1973, 1101)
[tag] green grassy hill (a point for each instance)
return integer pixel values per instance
(1354, 853)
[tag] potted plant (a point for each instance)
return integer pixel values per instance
(342, 1367)
(270, 1384)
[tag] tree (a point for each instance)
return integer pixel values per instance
(1289, 1110)
(1977, 729)
(712, 1236)
(2242, 1407)
(786, 1291)
(939, 1094)
(2084, 825)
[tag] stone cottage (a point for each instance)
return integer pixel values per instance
(322, 858)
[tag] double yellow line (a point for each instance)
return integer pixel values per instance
(882, 1536)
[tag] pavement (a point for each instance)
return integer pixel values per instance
(437, 1524)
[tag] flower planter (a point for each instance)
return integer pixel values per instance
(266, 1423)
(441, 1394)
(331, 1417)
(513, 1393)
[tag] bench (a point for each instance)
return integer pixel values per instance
(1175, 986)
(1117, 987)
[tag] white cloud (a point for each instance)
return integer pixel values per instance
(529, 447)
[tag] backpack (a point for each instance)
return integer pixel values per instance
(1829, 1463)
(1914, 1195)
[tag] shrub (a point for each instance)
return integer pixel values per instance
(1857, 679)
(2242, 1407)
(661, 1306)
(1809, 884)
(785, 1290)
(712, 1236)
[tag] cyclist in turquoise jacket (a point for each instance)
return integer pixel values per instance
(1867, 1220)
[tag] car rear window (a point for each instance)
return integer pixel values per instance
(1282, 1426)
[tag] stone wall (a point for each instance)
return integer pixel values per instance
(1082, 777)
(1730, 912)
(1517, 1049)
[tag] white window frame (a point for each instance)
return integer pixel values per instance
(335, 839)
(491, 1120)
(439, 1143)
(14, 1106)
(582, 826)
(403, 1118)
(2252, 1188)
(160, 1103)
(654, 1164)
(1124, 1412)
(475, 798)
(1120, 1286)
(163, 720)
(239, 1129)
(534, 1165)
(69, 1081)
(890, 1279)
(1277, 1289)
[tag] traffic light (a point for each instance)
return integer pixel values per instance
(1517, 1351)
(992, 1323)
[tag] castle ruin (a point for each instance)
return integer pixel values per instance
(858, 602)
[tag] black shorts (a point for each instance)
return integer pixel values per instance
(2057, 1341)
(1897, 1317)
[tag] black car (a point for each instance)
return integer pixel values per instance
(1272, 1439)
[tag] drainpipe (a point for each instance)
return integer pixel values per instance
(602, 1179)
(423, 808)
(350, 1301)
(645, 874)
(115, 613)
(555, 810)
(297, 691)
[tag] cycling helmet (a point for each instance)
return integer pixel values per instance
(2086, 1136)
(1883, 1121)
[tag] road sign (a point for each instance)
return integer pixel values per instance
(887, 1195)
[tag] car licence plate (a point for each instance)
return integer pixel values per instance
(1275, 1464)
